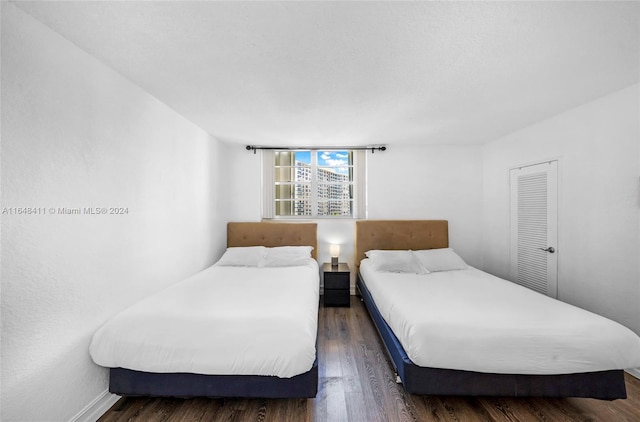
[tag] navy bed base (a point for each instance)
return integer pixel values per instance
(127, 382)
(606, 385)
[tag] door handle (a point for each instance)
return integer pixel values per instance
(550, 249)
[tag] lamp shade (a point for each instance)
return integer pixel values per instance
(334, 250)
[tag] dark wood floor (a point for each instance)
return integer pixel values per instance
(357, 385)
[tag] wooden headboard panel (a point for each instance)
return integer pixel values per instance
(273, 234)
(399, 235)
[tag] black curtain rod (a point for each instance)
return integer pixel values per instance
(373, 149)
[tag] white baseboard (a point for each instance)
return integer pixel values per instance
(634, 371)
(97, 408)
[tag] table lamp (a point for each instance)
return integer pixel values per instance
(334, 250)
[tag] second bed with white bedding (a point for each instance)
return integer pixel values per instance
(471, 320)
(223, 320)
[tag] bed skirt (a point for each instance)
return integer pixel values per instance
(127, 382)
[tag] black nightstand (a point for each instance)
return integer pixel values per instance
(336, 284)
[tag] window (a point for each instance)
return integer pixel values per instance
(313, 184)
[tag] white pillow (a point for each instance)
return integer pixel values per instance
(247, 256)
(444, 259)
(395, 261)
(287, 256)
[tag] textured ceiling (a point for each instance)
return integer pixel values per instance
(357, 73)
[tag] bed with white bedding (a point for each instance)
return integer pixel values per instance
(244, 327)
(471, 320)
(466, 332)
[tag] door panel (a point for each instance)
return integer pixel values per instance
(534, 232)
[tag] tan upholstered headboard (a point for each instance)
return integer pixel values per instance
(273, 234)
(399, 235)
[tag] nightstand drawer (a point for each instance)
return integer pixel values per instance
(336, 297)
(336, 281)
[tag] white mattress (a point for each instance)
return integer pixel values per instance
(471, 320)
(221, 321)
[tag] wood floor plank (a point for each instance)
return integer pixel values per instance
(357, 384)
(197, 409)
(127, 409)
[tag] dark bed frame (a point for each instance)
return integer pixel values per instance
(607, 385)
(127, 382)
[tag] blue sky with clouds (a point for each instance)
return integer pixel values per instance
(326, 158)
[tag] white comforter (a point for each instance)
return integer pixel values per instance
(223, 320)
(471, 320)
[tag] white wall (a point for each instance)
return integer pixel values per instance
(599, 232)
(431, 182)
(402, 183)
(77, 134)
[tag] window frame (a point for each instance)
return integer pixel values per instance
(357, 183)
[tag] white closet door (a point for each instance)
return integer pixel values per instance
(534, 227)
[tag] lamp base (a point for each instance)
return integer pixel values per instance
(334, 261)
